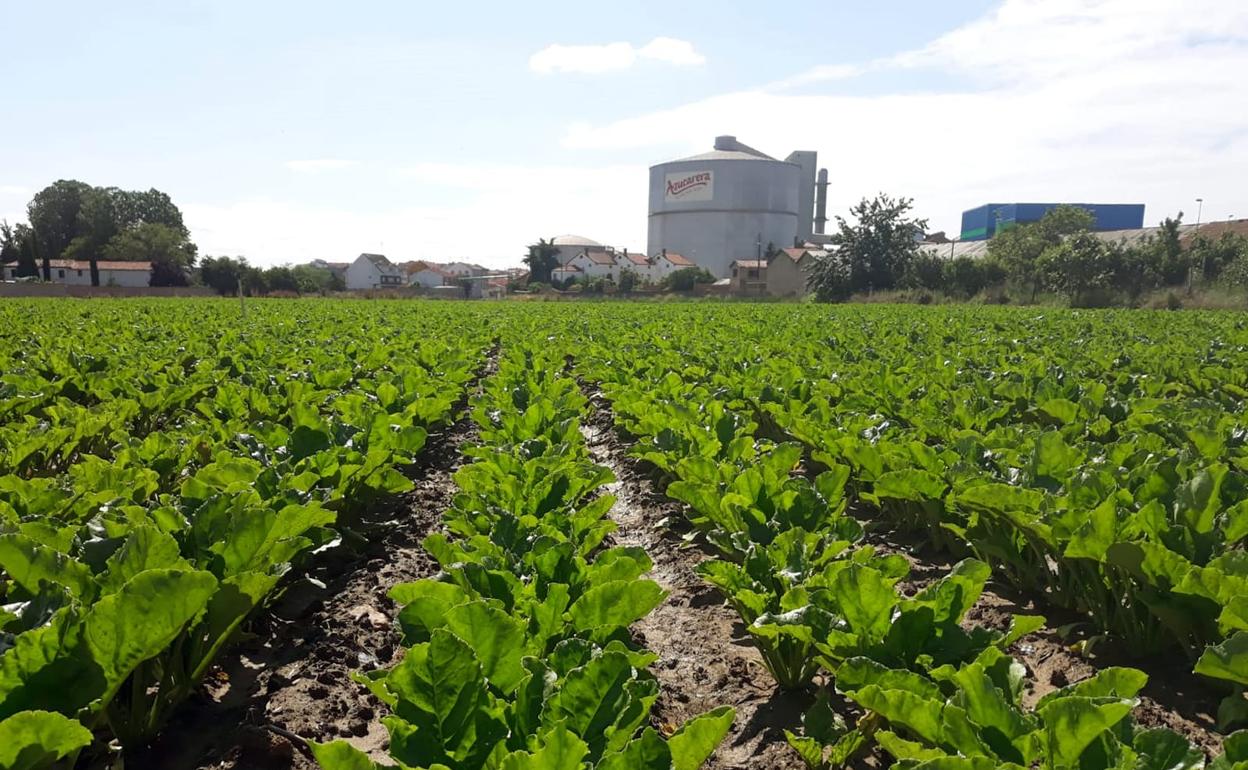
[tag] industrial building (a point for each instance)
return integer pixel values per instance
(729, 204)
(985, 221)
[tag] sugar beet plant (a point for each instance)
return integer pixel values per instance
(519, 654)
(132, 548)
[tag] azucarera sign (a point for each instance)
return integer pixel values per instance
(689, 186)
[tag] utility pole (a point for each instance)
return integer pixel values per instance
(1200, 206)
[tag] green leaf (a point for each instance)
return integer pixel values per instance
(1228, 660)
(36, 739)
(694, 742)
(28, 564)
(1112, 682)
(615, 604)
(561, 749)
(340, 755)
(144, 548)
(496, 638)
(1162, 749)
(1072, 723)
(143, 618)
(646, 752)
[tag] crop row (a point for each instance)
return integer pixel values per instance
(157, 488)
(815, 601)
(518, 652)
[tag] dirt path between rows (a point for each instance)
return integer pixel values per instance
(706, 658)
(291, 680)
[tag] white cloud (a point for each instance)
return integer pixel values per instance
(612, 57)
(318, 164)
(1074, 100)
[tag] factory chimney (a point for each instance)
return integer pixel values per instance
(821, 202)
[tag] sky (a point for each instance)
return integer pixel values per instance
(294, 131)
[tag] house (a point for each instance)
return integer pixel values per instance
(666, 263)
(596, 264)
(787, 271)
(460, 269)
(77, 272)
(749, 277)
(428, 277)
(373, 271)
(635, 262)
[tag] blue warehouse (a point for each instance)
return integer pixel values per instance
(986, 221)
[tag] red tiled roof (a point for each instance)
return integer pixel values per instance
(678, 259)
(600, 257)
(636, 258)
(1215, 230)
(750, 264)
(569, 269)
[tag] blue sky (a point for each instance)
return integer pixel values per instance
(465, 130)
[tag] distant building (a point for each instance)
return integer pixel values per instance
(373, 271)
(749, 277)
(788, 270)
(74, 272)
(986, 221)
(338, 269)
(667, 262)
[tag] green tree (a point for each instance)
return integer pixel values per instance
(685, 278)
(281, 278)
(628, 281)
(1209, 257)
(17, 244)
(1082, 267)
(873, 252)
(312, 280)
(54, 218)
(172, 255)
(542, 259)
(1020, 248)
(223, 274)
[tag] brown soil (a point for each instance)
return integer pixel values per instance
(706, 658)
(290, 680)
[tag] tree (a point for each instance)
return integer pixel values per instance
(542, 259)
(1079, 267)
(53, 214)
(17, 244)
(172, 255)
(1019, 248)
(628, 281)
(685, 278)
(73, 220)
(312, 280)
(222, 274)
(873, 252)
(1209, 258)
(281, 278)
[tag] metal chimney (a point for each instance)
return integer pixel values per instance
(821, 202)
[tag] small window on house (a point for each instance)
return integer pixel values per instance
(60, 273)
(79, 273)
(753, 274)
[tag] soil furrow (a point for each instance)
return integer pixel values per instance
(290, 679)
(706, 658)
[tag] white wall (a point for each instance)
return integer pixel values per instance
(362, 274)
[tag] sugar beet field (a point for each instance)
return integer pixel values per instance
(526, 536)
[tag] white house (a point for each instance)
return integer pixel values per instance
(667, 262)
(373, 271)
(73, 272)
(428, 277)
(637, 263)
(596, 264)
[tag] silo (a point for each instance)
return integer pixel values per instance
(728, 204)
